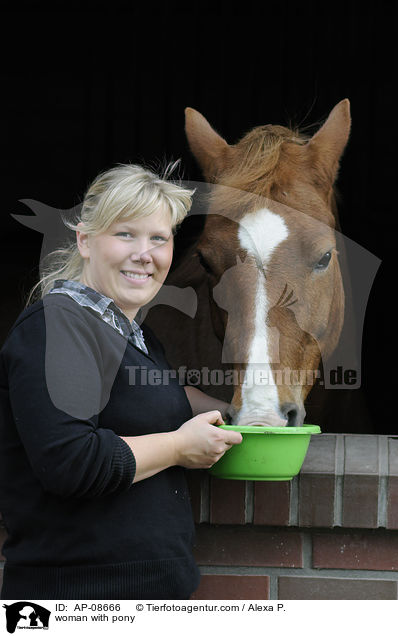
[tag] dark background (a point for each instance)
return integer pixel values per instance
(84, 89)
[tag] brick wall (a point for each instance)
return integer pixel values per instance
(330, 533)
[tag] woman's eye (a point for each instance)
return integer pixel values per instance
(324, 261)
(159, 238)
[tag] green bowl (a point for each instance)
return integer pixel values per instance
(266, 453)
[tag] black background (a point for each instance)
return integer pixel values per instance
(84, 89)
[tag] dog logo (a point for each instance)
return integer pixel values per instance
(26, 615)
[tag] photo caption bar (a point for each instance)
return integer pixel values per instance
(143, 617)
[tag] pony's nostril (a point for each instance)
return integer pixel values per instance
(293, 413)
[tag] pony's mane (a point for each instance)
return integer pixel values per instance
(256, 159)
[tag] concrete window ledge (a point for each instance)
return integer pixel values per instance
(348, 481)
(330, 533)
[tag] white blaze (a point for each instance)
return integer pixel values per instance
(259, 234)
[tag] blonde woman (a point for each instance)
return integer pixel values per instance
(92, 456)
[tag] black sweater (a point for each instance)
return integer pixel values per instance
(78, 527)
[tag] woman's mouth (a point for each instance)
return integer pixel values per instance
(135, 276)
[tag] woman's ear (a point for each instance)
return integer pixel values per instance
(82, 240)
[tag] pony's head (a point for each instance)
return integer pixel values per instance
(269, 252)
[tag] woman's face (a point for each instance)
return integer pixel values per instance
(130, 261)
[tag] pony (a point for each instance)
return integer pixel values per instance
(265, 269)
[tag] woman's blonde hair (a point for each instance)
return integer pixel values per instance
(126, 191)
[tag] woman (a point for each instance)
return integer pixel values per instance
(92, 486)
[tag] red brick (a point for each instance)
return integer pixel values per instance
(316, 500)
(251, 545)
(393, 455)
(232, 587)
(360, 501)
(321, 455)
(361, 481)
(271, 503)
(361, 454)
(392, 488)
(314, 588)
(356, 551)
(227, 501)
(392, 503)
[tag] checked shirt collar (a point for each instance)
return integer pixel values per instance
(104, 306)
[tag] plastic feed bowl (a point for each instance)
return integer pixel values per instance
(266, 453)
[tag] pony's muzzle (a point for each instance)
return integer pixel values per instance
(292, 415)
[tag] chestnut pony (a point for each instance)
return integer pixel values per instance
(265, 269)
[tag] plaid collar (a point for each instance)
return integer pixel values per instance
(104, 306)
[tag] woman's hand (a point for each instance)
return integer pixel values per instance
(196, 444)
(200, 444)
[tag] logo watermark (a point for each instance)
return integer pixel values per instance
(142, 376)
(26, 615)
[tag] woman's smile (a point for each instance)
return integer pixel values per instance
(136, 277)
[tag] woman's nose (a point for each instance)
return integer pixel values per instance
(142, 252)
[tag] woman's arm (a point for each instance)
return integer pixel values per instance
(200, 402)
(50, 365)
(196, 444)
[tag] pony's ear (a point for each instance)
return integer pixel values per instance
(329, 142)
(210, 150)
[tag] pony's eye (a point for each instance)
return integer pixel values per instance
(324, 261)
